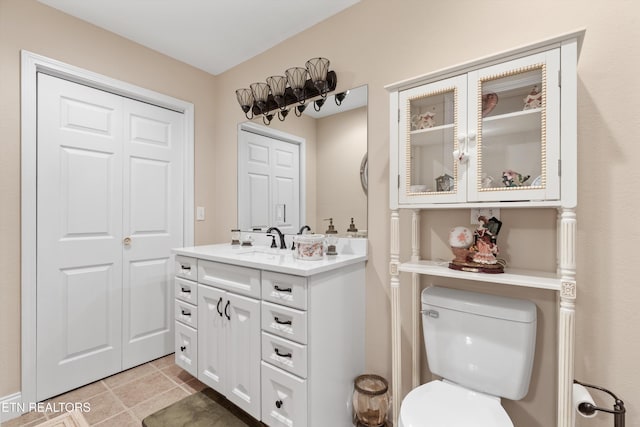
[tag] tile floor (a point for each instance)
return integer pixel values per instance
(124, 399)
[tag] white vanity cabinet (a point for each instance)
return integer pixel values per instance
(453, 135)
(229, 332)
(312, 346)
(186, 314)
(283, 339)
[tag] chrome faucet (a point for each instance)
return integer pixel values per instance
(283, 245)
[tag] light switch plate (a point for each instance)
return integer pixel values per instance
(200, 213)
(487, 212)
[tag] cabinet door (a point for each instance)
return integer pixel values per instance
(243, 353)
(514, 114)
(211, 337)
(432, 137)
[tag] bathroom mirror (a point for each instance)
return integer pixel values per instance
(333, 164)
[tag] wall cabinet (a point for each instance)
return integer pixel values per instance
(496, 132)
(457, 136)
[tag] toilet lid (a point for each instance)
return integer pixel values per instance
(442, 404)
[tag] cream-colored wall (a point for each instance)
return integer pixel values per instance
(27, 24)
(377, 42)
(342, 142)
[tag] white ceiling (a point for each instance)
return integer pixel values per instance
(213, 35)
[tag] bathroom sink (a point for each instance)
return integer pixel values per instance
(263, 255)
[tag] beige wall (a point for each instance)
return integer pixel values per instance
(342, 142)
(26, 24)
(378, 42)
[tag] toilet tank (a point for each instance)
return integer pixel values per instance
(480, 341)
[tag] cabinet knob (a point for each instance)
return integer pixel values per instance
(277, 350)
(186, 313)
(278, 404)
(282, 322)
(185, 290)
(278, 288)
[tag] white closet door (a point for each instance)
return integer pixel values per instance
(110, 208)
(79, 248)
(152, 223)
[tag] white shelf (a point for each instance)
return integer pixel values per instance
(516, 122)
(431, 136)
(526, 278)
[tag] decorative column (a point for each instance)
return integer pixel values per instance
(396, 331)
(416, 304)
(566, 318)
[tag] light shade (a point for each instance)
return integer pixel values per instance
(318, 68)
(245, 99)
(297, 77)
(260, 94)
(278, 85)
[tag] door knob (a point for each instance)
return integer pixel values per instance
(127, 241)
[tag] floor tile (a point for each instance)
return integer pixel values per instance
(123, 419)
(162, 362)
(158, 402)
(143, 388)
(128, 375)
(177, 374)
(103, 406)
(27, 419)
(193, 386)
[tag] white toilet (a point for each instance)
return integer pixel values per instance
(482, 346)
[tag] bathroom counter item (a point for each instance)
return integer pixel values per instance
(350, 251)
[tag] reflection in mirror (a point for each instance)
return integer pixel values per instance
(334, 168)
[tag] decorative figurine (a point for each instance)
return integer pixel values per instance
(444, 183)
(423, 121)
(489, 102)
(476, 252)
(533, 100)
(514, 179)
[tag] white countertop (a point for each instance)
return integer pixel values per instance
(350, 251)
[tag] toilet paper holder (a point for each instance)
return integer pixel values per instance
(618, 410)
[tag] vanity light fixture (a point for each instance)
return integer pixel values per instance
(298, 86)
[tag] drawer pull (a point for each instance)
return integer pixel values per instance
(185, 267)
(186, 290)
(226, 307)
(282, 355)
(218, 306)
(183, 348)
(282, 322)
(186, 313)
(278, 288)
(279, 404)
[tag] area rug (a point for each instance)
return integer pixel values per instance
(206, 408)
(68, 419)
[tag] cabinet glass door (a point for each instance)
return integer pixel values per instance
(432, 127)
(514, 111)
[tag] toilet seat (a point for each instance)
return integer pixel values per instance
(443, 404)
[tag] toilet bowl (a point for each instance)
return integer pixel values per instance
(482, 347)
(441, 403)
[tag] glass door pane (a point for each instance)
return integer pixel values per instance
(432, 141)
(511, 133)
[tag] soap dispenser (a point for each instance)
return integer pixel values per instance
(332, 228)
(352, 227)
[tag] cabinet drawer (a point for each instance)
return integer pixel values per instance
(240, 280)
(284, 289)
(285, 354)
(186, 290)
(186, 313)
(284, 398)
(187, 348)
(186, 267)
(285, 322)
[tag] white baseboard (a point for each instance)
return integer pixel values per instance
(11, 407)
